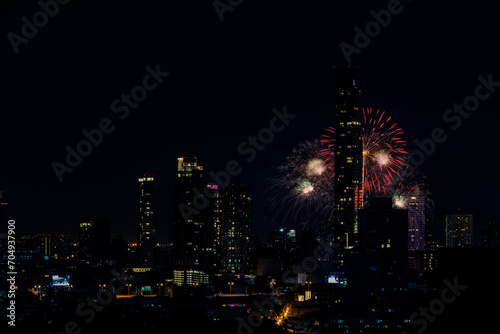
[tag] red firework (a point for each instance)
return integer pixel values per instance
(383, 151)
(327, 153)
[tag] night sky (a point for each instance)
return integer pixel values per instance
(225, 79)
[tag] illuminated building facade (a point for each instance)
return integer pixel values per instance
(146, 220)
(193, 242)
(237, 229)
(416, 220)
(85, 240)
(214, 215)
(459, 229)
(55, 246)
(348, 155)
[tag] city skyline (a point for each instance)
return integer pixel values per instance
(403, 75)
(237, 166)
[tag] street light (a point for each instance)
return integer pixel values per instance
(308, 283)
(230, 286)
(128, 288)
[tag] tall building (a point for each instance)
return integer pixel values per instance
(192, 242)
(85, 245)
(416, 219)
(237, 229)
(377, 273)
(94, 240)
(277, 243)
(459, 229)
(214, 220)
(348, 156)
(146, 220)
(491, 233)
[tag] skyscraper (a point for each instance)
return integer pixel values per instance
(146, 220)
(459, 228)
(191, 231)
(237, 229)
(491, 233)
(85, 240)
(348, 155)
(94, 240)
(416, 220)
(214, 220)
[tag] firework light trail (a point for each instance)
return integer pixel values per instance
(408, 181)
(383, 151)
(303, 186)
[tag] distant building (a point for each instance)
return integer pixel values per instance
(491, 233)
(237, 229)
(119, 251)
(146, 220)
(459, 230)
(416, 220)
(94, 240)
(277, 243)
(193, 240)
(87, 231)
(214, 219)
(53, 246)
(27, 247)
(377, 273)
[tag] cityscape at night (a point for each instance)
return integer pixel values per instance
(238, 167)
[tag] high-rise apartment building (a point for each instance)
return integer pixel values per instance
(459, 229)
(146, 220)
(416, 219)
(192, 232)
(94, 240)
(237, 229)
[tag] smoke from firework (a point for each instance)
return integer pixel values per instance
(383, 151)
(303, 186)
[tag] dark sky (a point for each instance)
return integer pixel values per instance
(225, 79)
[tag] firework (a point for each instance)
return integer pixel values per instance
(383, 151)
(400, 201)
(408, 182)
(303, 186)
